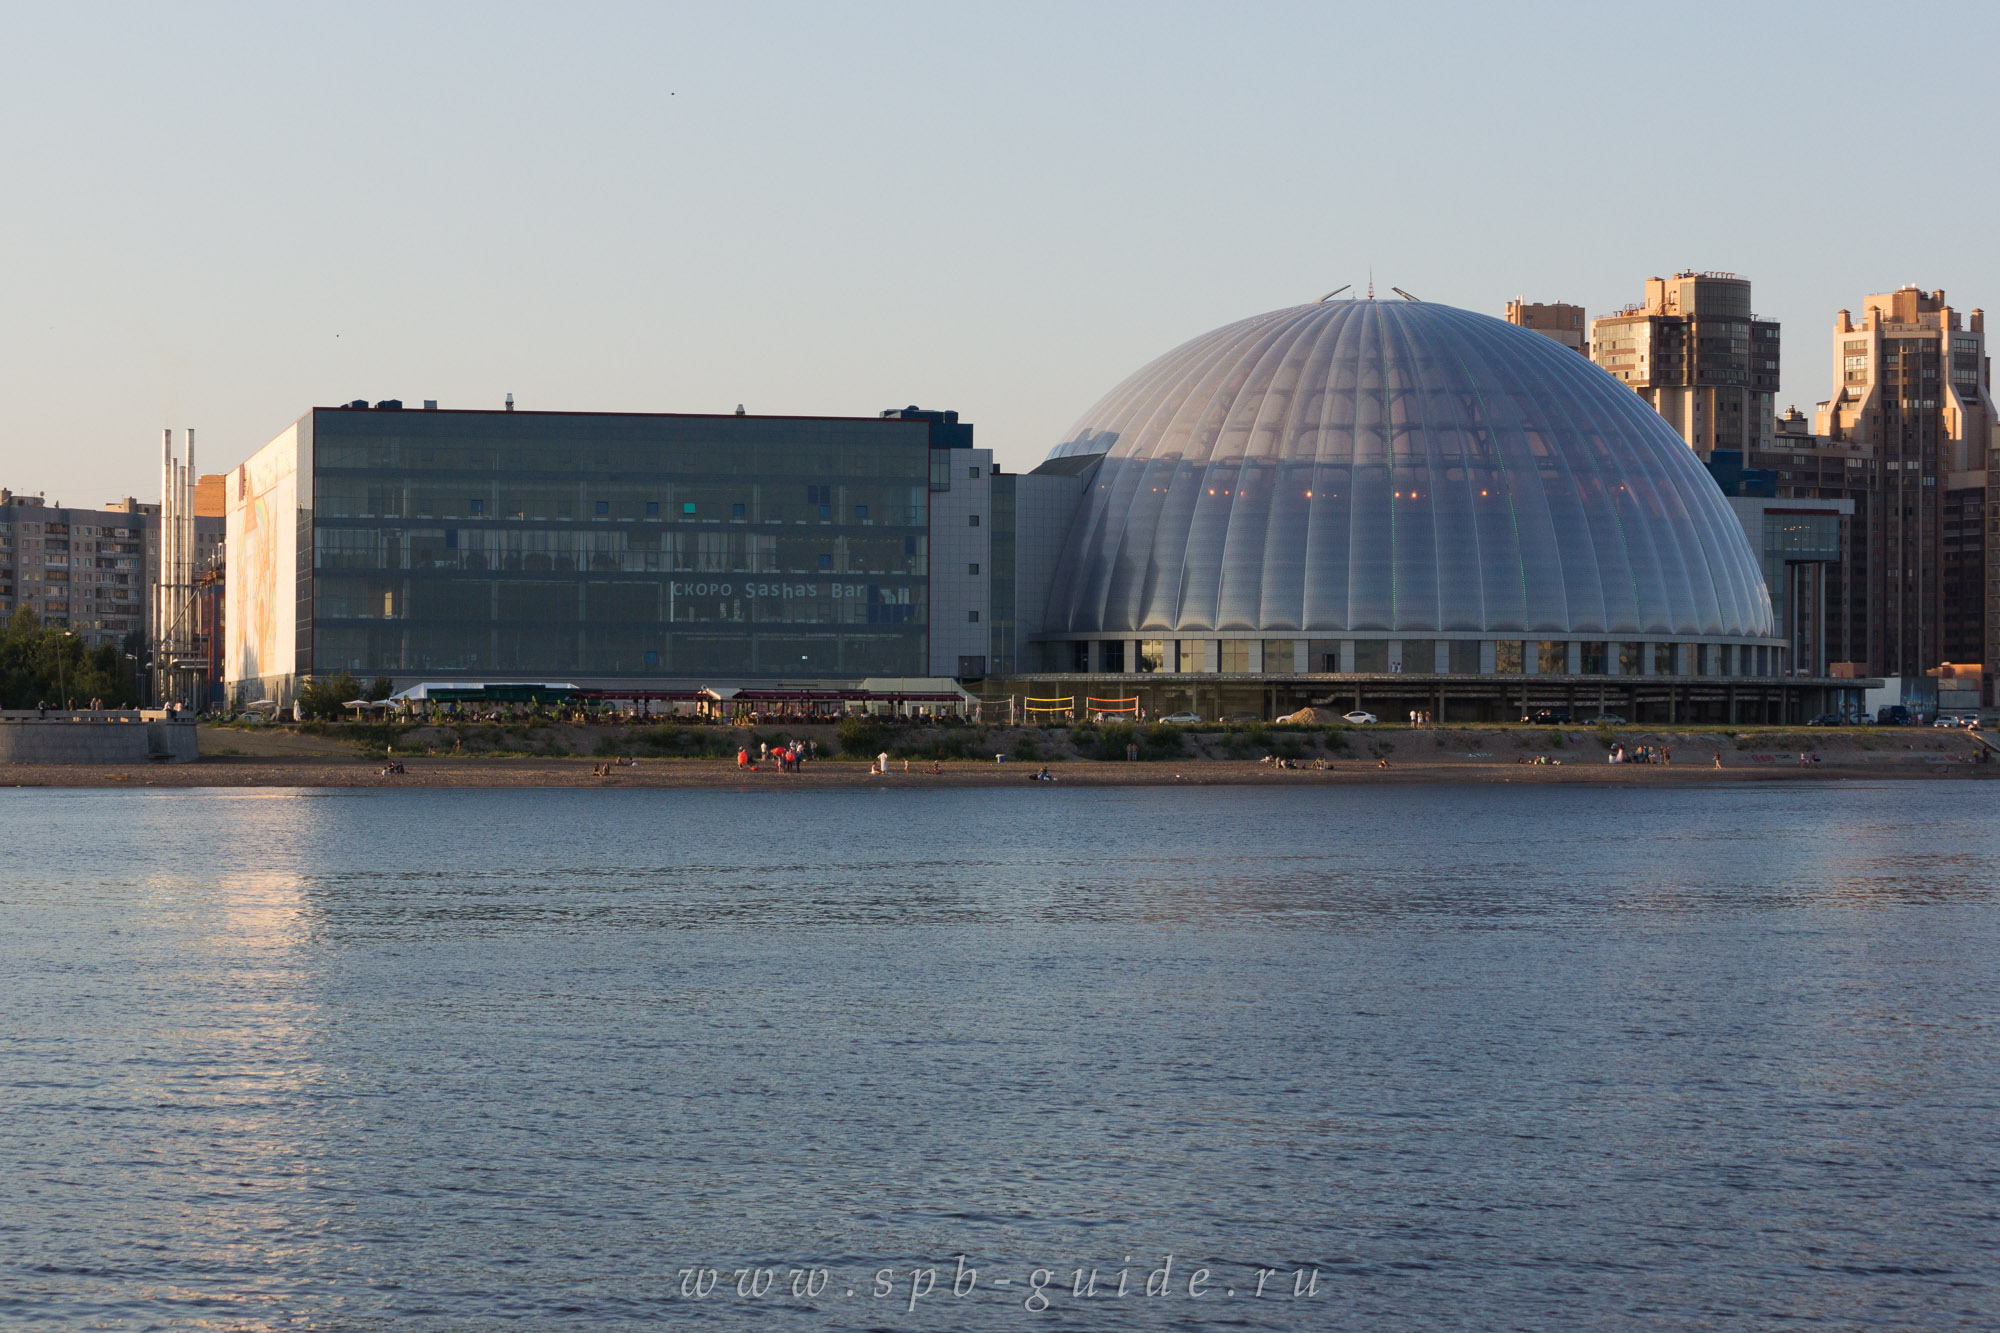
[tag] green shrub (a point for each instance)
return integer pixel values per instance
(1025, 748)
(1605, 738)
(663, 739)
(322, 699)
(933, 745)
(862, 736)
(1556, 739)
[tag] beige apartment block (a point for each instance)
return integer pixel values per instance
(1913, 390)
(1564, 323)
(1694, 350)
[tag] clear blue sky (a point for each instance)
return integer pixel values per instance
(220, 216)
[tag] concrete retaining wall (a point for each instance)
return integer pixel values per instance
(95, 738)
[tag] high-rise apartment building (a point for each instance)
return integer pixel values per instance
(1913, 396)
(87, 570)
(1694, 350)
(1564, 323)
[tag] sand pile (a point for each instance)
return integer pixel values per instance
(1312, 717)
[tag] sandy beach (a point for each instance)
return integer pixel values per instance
(1693, 764)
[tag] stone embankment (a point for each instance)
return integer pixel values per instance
(104, 736)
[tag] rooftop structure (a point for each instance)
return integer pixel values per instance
(1564, 323)
(1695, 352)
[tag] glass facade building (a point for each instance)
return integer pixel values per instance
(1396, 486)
(582, 546)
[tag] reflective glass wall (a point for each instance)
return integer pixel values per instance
(566, 545)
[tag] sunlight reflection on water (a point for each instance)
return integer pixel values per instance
(1544, 1057)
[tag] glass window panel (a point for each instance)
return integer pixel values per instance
(515, 597)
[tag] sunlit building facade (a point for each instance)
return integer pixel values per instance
(595, 547)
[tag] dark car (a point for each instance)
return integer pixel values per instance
(1827, 720)
(1892, 715)
(1547, 717)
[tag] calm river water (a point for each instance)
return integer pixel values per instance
(1539, 1058)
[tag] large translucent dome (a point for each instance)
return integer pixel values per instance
(1394, 466)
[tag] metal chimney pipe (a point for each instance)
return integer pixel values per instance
(186, 500)
(160, 565)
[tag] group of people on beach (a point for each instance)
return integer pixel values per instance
(1643, 754)
(790, 757)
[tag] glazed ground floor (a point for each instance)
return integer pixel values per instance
(1744, 700)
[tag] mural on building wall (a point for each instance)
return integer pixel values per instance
(263, 542)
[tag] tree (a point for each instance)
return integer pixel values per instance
(45, 664)
(324, 699)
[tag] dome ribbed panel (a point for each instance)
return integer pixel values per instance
(1394, 468)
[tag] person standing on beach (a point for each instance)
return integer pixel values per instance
(883, 760)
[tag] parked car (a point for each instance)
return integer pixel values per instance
(1607, 720)
(1242, 717)
(1547, 717)
(1892, 715)
(1359, 718)
(1827, 720)
(1181, 719)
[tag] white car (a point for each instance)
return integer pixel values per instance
(1359, 718)
(1181, 719)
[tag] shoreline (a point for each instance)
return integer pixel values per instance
(848, 775)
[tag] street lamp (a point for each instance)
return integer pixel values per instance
(62, 651)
